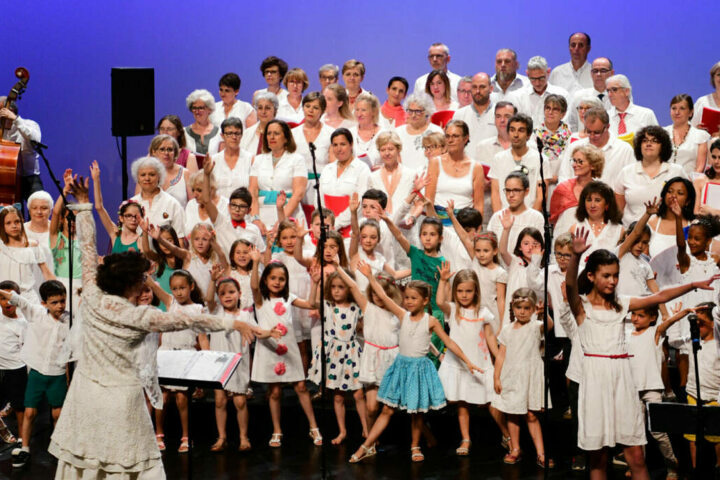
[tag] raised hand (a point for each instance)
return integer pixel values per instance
(153, 231)
(421, 181)
(451, 208)
(144, 224)
(79, 188)
(675, 206)
(208, 166)
(444, 270)
(354, 202)
(364, 268)
(95, 171)
(216, 272)
(281, 199)
(255, 255)
(507, 219)
(580, 243)
(652, 207)
(315, 272)
(677, 307)
(707, 283)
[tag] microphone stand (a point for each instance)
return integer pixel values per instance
(70, 216)
(547, 228)
(321, 249)
(699, 427)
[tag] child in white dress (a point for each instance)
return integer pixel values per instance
(609, 409)
(519, 376)
(241, 269)
(471, 328)
(278, 362)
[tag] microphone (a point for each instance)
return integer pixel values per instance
(38, 145)
(694, 331)
(312, 147)
(540, 146)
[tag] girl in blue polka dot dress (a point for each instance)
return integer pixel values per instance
(342, 352)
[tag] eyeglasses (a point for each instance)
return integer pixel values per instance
(565, 256)
(233, 134)
(582, 108)
(464, 92)
(431, 147)
(614, 89)
(271, 72)
(433, 56)
(549, 108)
(165, 150)
(595, 71)
(198, 109)
(328, 78)
(512, 191)
(596, 132)
(129, 216)
(651, 140)
(412, 111)
(238, 206)
(537, 79)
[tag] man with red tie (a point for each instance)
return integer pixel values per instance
(625, 116)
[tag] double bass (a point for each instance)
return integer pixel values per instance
(10, 151)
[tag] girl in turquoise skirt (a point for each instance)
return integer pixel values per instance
(411, 383)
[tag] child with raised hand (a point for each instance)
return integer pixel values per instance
(343, 317)
(609, 409)
(167, 261)
(519, 377)
(124, 235)
(19, 257)
(411, 383)
(241, 268)
(186, 298)
(278, 361)
(13, 371)
(528, 249)
(363, 244)
(60, 236)
(424, 265)
(380, 332)
(471, 328)
(646, 357)
(229, 295)
(694, 257)
(46, 354)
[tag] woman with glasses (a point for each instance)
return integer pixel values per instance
(232, 165)
(273, 70)
(353, 73)
(201, 136)
(166, 149)
(418, 107)
(172, 125)
(266, 106)
(296, 81)
(583, 105)
(160, 207)
(554, 133)
(642, 181)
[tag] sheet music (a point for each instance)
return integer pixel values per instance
(203, 365)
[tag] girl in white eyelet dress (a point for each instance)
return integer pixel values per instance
(609, 409)
(105, 430)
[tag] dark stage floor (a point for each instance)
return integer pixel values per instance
(299, 459)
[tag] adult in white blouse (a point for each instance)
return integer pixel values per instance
(202, 137)
(584, 103)
(327, 74)
(161, 208)
(232, 165)
(625, 116)
(353, 73)
(229, 87)
(455, 176)
(418, 107)
(273, 70)
(711, 100)
(392, 111)
(277, 169)
(575, 74)
(40, 205)
(367, 113)
(341, 178)
(439, 57)
(707, 186)
(393, 177)
(195, 211)
(290, 110)
(438, 87)
(166, 149)
(337, 110)
(313, 131)
(642, 181)
(689, 143)
(266, 106)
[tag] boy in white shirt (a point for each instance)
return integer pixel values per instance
(45, 353)
(13, 373)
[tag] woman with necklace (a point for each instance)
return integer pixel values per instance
(392, 178)
(454, 175)
(689, 143)
(313, 131)
(277, 169)
(554, 133)
(367, 114)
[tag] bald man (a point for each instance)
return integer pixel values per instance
(480, 114)
(575, 74)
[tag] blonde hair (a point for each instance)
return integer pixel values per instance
(297, 74)
(374, 103)
(595, 158)
(159, 140)
(199, 177)
(388, 136)
(212, 255)
(342, 96)
(434, 138)
(352, 63)
(463, 276)
(522, 295)
(389, 286)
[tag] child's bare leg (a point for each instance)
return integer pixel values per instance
(361, 407)
(416, 429)
(598, 464)
(221, 417)
(275, 394)
(160, 415)
(243, 419)
(181, 400)
(635, 458)
(500, 420)
(379, 426)
(339, 405)
(30, 414)
(305, 403)
(464, 420)
(373, 407)
(513, 423)
(536, 433)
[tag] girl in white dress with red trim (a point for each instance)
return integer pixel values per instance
(471, 328)
(609, 409)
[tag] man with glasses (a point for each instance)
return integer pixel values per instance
(464, 93)
(601, 70)
(328, 74)
(479, 115)
(506, 78)
(439, 57)
(617, 153)
(575, 74)
(625, 116)
(530, 100)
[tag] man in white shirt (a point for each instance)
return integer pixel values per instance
(625, 116)
(464, 92)
(530, 100)
(439, 57)
(479, 115)
(25, 132)
(618, 153)
(601, 70)
(328, 74)
(519, 155)
(575, 74)
(506, 78)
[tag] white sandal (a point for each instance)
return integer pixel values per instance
(316, 436)
(276, 440)
(367, 452)
(463, 451)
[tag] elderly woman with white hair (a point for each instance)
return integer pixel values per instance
(166, 149)
(202, 136)
(327, 74)
(367, 114)
(711, 100)
(266, 105)
(39, 206)
(161, 208)
(418, 107)
(584, 104)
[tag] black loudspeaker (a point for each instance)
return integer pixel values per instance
(133, 102)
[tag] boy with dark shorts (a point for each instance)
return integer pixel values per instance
(13, 372)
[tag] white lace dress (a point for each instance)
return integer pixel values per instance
(105, 430)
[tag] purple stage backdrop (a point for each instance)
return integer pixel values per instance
(664, 47)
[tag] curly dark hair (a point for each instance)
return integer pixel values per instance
(121, 271)
(709, 223)
(612, 214)
(688, 212)
(659, 134)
